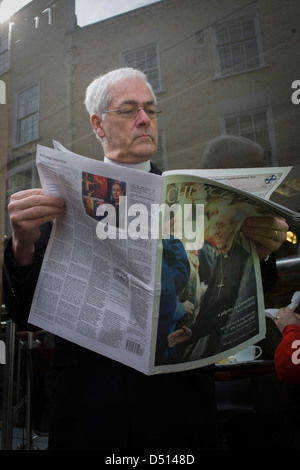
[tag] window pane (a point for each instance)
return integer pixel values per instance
(4, 54)
(235, 32)
(225, 60)
(260, 121)
(4, 61)
(246, 126)
(28, 129)
(27, 102)
(27, 125)
(252, 126)
(222, 35)
(248, 29)
(232, 126)
(261, 129)
(251, 51)
(27, 183)
(240, 53)
(238, 58)
(140, 60)
(145, 59)
(129, 60)
(151, 57)
(153, 78)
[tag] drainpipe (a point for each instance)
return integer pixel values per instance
(70, 62)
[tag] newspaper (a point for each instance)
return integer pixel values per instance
(122, 272)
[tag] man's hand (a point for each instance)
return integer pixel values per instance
(28, 210)
(179, 336)
(189, 308)
(268, 232)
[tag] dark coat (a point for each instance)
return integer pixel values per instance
(98, 403)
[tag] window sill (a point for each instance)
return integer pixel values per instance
(22, 144)
(221, 77)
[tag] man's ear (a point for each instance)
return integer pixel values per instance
(96, 123)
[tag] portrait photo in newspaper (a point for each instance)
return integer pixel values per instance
(220, 311)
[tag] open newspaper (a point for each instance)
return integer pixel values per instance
(153, 271)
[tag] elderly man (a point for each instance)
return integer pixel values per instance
(97, 402)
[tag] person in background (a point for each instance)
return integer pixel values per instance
(287, 365)
(232, 151)
(287, 353)
(99, 403)
(276, 430)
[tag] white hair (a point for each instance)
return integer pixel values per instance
(98, 93)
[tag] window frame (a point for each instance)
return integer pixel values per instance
(4, 55)
(216, 47)
(143, 47)
(270, 151)
(17, 140)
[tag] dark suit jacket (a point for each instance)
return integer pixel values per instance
(99, 403)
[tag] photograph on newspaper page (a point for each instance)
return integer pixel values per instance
(211, 302)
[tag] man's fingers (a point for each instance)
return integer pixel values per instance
(275, 224)
(30, 211)
(31, 208)
(262, 234)
(33, 204)
(32, 200)
(268, 232)
(25, 193)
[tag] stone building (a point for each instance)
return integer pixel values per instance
(217, 68)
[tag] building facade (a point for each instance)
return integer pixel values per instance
(216, 67)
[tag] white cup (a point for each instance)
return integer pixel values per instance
(248, 354)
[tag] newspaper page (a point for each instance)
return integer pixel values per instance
(98, 293)
(257, 184)
(225, 289)
(261, 182)
(152, 272)
(220, 309)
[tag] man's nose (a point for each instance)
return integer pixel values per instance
(142, 118)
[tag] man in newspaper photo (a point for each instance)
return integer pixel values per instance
(99, 403)
(232, 269)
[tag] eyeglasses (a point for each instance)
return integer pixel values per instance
(131, 111)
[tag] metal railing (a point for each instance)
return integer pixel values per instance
(9, 410)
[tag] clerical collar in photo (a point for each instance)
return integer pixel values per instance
(142, 166)
(226, 255)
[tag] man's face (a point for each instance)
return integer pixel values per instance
(224, 231)
(116, 192)
(129, 140)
